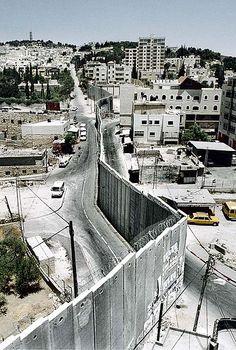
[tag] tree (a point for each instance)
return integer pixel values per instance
(27, 274)
(134, 73)
(181, 71)
(36, 78)
(219, 74)
(48, 93)
(42, 95)
(27, 90)
(195, 133)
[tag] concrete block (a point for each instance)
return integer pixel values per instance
(36, 336)
(129, 300)
(11, 343)
(83, 321)
(150, 282)
(116, 307)
(62, 327)
(140, 278)
(101, 302)
(158, 257)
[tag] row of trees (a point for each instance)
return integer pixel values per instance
(10, 79)
(205, 54)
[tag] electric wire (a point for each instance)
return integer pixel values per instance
(148, 332)
(54, 211)
(178, 340)
(222, 314)
(54, 234)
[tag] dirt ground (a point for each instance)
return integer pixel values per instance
(22, 312)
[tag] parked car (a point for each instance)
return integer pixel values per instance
(229, 209)
(202, 218)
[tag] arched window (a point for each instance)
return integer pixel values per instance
(163, 97)
(215, 108)
(195, 108)
(178, 107)
(216, 98)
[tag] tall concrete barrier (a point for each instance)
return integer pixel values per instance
(83, 321)
(115, 313)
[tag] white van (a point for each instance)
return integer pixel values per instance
(58, 189)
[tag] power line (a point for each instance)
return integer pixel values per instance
(170, 306)
(54, 211)
(54, 234)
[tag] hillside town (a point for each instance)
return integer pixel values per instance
(118, 196)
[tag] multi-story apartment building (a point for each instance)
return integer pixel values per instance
(130, 57)
(118, 73)
(148, 57)
(112, 73)
(153, 125)
(200, 105)
(227, 125)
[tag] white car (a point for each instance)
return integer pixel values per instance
(82, 125)
(73, 108)
(83, 135)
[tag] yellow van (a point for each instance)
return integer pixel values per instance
(229, 209)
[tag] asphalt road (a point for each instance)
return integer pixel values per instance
(98, 246)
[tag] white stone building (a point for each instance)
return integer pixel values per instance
(200, 105)
(153, 125)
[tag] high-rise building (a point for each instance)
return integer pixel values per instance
(148, 57)
(227, 125)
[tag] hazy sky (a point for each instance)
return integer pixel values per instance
(200, 23)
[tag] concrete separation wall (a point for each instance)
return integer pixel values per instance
(118, 310)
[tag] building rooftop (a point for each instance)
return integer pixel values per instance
(211, 146)
(23, 152)
(183, 196)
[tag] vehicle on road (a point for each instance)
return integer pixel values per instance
(202, 218)
(229, 209)
(58, 189)
(82, 125)
(73, 108)
(83, 136)
(64, 162)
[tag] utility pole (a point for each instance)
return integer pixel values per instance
(159, 321)
(46, 159)
(8, 207)
(71, 231)
(204, 170)
(210, 264)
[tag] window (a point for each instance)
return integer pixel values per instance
(152, 134)
(205, 97)
(135, 96)
(4, 120)
(196, 98)
(34, 171)
(215, 108)
(205, 107)
(188, 97)
(23, 171)
(187, 107)
(139, 133)
(12, 121)
(216, 98)
(178, 97)
(157, 122)
(19, 122)
(163, 97)
(195, 108)
(171, 97)
(7, 172)
(150, 121)
(178, 107)
(171, 107)
(170, 122)
(143, 122)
